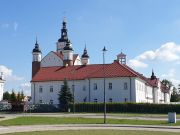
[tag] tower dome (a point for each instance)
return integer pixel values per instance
(85, 57)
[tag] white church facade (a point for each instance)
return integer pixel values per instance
(2, 81)
(86, 81)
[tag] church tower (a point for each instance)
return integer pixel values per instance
(121, 58)
(37, 56)
(85, 57)
(1, 86)
(67, 54)
(153, 75)
(64, 38)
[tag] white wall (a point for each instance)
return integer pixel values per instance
(77, 61)
(1, 89)
(84, 90)
(50, 60)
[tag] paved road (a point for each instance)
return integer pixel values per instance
(12, 129)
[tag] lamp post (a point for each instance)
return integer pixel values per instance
(104, 50)
(73, 90)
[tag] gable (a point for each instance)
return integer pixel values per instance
(77, 60)
(51, 59)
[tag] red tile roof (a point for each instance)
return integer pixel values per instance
(80, 72)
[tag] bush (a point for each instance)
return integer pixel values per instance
(43, 108)
(126, 107)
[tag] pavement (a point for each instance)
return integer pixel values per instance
(13, 129)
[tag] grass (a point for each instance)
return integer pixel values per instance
(95, 132)
(38, 120)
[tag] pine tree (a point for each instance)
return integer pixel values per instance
(6, 96)
(13, 97)
(18, 97)
(65, 97)
(22, 95)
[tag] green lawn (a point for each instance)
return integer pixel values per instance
(37, 120)
(95, 132)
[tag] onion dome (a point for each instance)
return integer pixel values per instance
(68, 46)
(85, 54)
(36, 48)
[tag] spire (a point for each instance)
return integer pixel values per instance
(153, 75)
(64, 35)
(36, 48)
(85, 54)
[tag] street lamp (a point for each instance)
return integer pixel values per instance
(104, 50)
(73, 90)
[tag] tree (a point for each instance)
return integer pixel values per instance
(6, 96)
(13, 97)
(175, 97)
(65, 97)
(19, 97)
(178, 88)
(22, 95)
(167, 83)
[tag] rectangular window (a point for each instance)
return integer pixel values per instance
(125, 86)
(125, 100)
(110, 99)
(95, 100)
(84, 88)
(110, 86)
(40, 89)
(51, 102)
(51, 88)
(40, 101)
(95, 86)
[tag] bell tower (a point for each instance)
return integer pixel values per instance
(63, 39)
(121, 58)
(36, 59)
(85, 57)
(67, 54)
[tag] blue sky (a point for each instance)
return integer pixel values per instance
(148, 31)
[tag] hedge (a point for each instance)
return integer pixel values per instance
(126, 107)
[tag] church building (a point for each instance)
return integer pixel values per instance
(86, 81)
(1, 86)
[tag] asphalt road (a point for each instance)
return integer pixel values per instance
(13, 129)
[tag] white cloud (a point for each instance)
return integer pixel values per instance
(15, 26)
(166, 53)
(8, 74)
(137, 63)
(171, 76)
(26, 87)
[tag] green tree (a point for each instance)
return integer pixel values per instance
(167, 83)
(22, 95)
(13, 97)
(175, 97)
(179, 88)
(6, 96)
(19, 97)
(65, 97)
